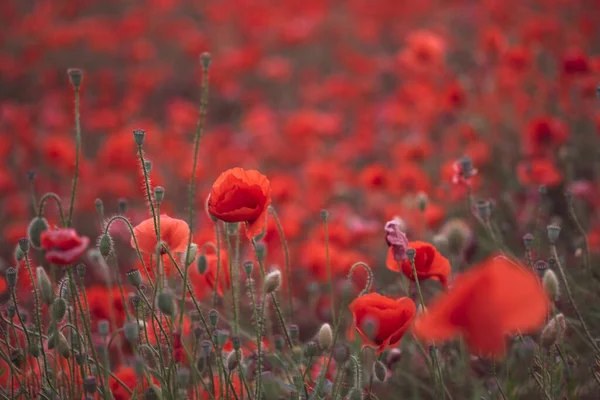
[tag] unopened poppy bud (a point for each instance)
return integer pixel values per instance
(183, 377)
(232, 360)
(75, 76)
(132, 331)
(148, 166)
(205, 60)
(24, 245)
(379, 371)
(554, 331)
(422, 201)
(139, 135)
(11, 277)
(221, 337)
(213, 318)
(81, 268)
(122, 205)
(105, 245)
(103, 327)
(261, 251)
(206, 347)
(19, 255)
(248, 267)
(528, 241)
(59, 309)
(325, 336)
(466, 166)
(34, 231)
(90, 384)
(553, 232)
(198, 332)
(99, 205)
(152, 393)
(81, 358)
(355, 394)
(63, 346)
(551, 285)
(191, 253)
(311, 349)
(202, 264)
(166, 303)
(294, 332)
(341, 353)
(272, 282)
(139, 367)
(411, 253)
(236, 342)
(34, 348)
(159, 193)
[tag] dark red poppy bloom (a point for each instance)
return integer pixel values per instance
(239, 195)
(429, 263)
(494, 299)
(63, 246)
(389, 319)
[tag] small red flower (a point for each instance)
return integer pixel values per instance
(429, 263)
(63, 246)
(390, 319)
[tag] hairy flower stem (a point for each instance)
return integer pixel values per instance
(437, 373)
(258, 332)
(572, 300)
(217, 277)
(234, 281)
(57, 200)
(286, 257)
(77, 151)
(148, 192)
(328, 265)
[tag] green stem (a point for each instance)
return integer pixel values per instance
(328, 265)
(77, 151)
(56, 199)
(286, 258)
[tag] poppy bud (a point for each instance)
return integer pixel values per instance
(554, 331)
(422, 201)
(201, 264)
(139, 135)
(81, 358)
(166, 303)
(206, 347)
(63, 346)
(221, 337)
(261, 251)
(272, 282)
(325, 336)
(134, 277)
(34, 231)
(105, 245)
(248, 267)
(99, 205)
(191, 253)
(528, 241)
(484, 209)
(379, 371)
(11, 277)
(34, 348)
(75, 76)
(213, 318)
(232, 360)
(183, 377)
(19, 255)
(103, 327)
(159, 193)
(81, 270)
(236, 342)
(122, 205)
(294, 332)
(324, 215)
(553, 232)
(205, 60)
(551, 285)
(540, 266)
(311, 349)
(59, 309)
(411, 253)
(341, 353)
(90, 384)
(278, 342)
(148, 166)
(24, 245)
(132, 331)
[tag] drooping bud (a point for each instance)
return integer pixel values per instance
(139, 135)
(11, 277)
(105, 245)
(202, 264)
(553, 233)
(166, 303)
(325, 336)
(554, 331)
(63, 346)
(132, 332)
(76, 77)
(272, 282)
(379, 371)
(159, 193)
(551, 285)
(213, 318)
(341, 353)
(232, 360)
(134, 277)
(34, 231)
(59, 309)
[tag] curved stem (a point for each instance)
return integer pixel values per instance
(56, 199)
(367, 288)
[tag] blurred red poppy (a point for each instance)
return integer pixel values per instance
(174, 233)
(429, 263)
(63, 246)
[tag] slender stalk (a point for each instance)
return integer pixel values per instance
(217, 277)
(233, 275)
(328, 265)
(77, 151)
(148, 192)
(286, 258)
(42, 203)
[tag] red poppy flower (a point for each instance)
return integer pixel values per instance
(174, 232)
(429, 263)
(127, 376)
(239, 195)
(203, 284)
(63, 246)
(494, 299)
(538, 172)
(389, 318)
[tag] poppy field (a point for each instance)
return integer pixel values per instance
(303, 199)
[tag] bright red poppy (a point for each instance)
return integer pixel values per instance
(390, 319)
(174, 233)
(240, 195)
(494, 299)
(429, 263)
(63, 246)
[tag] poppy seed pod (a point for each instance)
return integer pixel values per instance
(159, 193)
(221, 338)
(90, 384)
(202, 264)
(551, 285)
(34, 231)
(75, 76)
(325, 336)
(99, 205)
(105, 245)
(81, 268)
(19, 255)
(11, 277)
(103, 327)
(139, 135)
(272, 282)
(166, 303)
(134, 277)
(261, 251)
(132, 331)
(379, 371)
(24, 245)
(553, 233)
(63, 346)
(213, 318)
(205, 60)
(206, 347)
(311, 349)
(122, 205)
(236, 342)
(466, 166)
(232, 360)
(59, 309)
(554, 330)
(411, 253)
